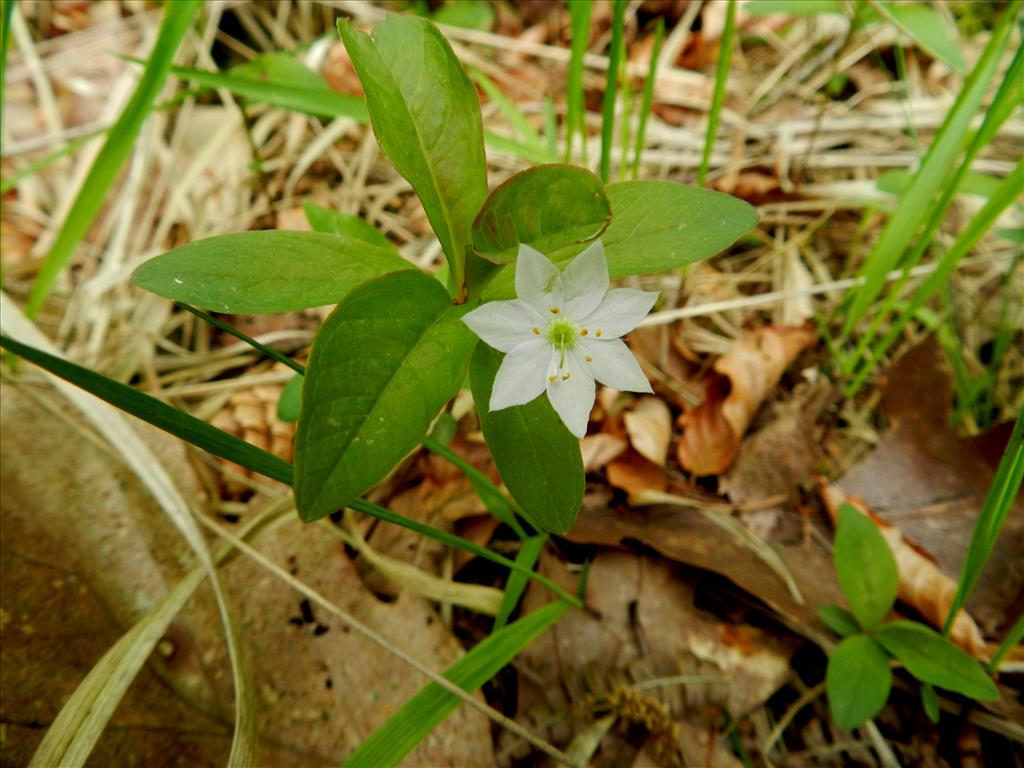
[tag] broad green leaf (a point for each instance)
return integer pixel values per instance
(547, 207)
(421, 714)
(382, 366)
(927, 28)
(289, 404)
(539, 461)
(656, 225)
(266, 272)
(858, 680)
(932, 658)
(839, 620)
(349, 225)
(295, 93)
(793, 7)
(426, 116)
(115, 150)
(865, 566)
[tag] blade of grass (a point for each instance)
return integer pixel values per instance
(273, 354)
(227, 446)
(515, 117)
(932, 175)
(529, 551)
(83, 717)
(718, 95)
(6, 12)
(492, 497)
(611, 89)
(118, 145)
(137, 456)
(648, 97)
(550, 128)
(1008, 97)
(1006, 194)
(1012, 640)
(998, 502)
(48, 159)
(409, 725)
(627, 111)
(579, 22)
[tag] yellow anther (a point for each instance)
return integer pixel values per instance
(552, 378)
(555, 310)
(584, 332)
(597, 332)
(536, 331)
(589, 359)
(565, 377)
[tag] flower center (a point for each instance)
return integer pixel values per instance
(562, 335)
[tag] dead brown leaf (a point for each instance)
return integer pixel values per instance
(634, 474)
(599, 449)
(649, 426)
(742, 378)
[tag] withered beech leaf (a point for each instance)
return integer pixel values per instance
(741, 380)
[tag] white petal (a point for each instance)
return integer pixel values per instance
(522, 375)
(612, 364)
(620, 312)
(538, 281)
(503, 324)
(573, 397)
(585, 281)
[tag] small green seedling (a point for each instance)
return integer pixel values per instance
(859, 675)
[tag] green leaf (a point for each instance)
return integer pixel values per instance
(932, 658)
(858, 680)
(926, 28)
(421, 714)
(289, 404)
(349, 225)
(538, 459)
(426, 117)
(468, 14)
(280, 69)
(281, 85)
(547, 207)
(115, 150)
(839, 620)
(529, 551)
(656, 225)
(930, 702)
(266, 272)
(865, 566)
(382, 366)
(793, 7)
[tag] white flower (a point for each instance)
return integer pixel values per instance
(561, 334)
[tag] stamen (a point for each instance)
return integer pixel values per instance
(597, 332)
(552, 379)
(555, 310)
(589, 359)
(536, 331)
(565, 377)
(584, 332)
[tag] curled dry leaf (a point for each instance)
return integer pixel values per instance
(923, 585)
(741, 380)
(600, 449)
(649, 426)
(636, 475)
